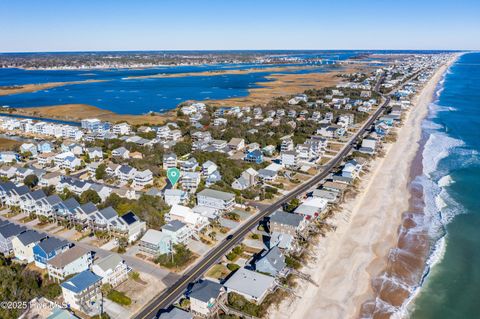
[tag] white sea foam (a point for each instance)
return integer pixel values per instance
(438, 146)
(445, 181)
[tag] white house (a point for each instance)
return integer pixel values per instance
(23, 245)
(112, 269)
(186, 215)
(218, 200)
(72, 261)
(82, 290)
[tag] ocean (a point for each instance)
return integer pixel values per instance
(451, 179)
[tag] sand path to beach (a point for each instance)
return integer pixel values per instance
(366, 230)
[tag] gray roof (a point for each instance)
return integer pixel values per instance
(216, 194)
(38, 194)
(205, 290)
(285, 218)
(109, 262)
(71, 204)
(67, 257)
(10, 230)
(250, 283)
(125, 169)
(88, 208)
(275, 258)
(108, 213)
(176, 313)
(266, 173)
(30, 236)
(51, 244)
(174, 225)
(53, 199)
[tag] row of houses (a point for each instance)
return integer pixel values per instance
(86, 215)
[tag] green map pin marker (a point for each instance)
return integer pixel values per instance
(173, 175)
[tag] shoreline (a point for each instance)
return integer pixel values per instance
(366, 229)
(408, 262)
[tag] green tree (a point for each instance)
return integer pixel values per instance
(90, 196)
(31, 180)
(101, 171)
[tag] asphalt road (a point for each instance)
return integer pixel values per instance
(169, 296)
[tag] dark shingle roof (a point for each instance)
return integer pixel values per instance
(10, 230)
(30, 236)
(285, 218)
(205, 290)
(51, 244)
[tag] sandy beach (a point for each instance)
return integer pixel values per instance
(367, 228)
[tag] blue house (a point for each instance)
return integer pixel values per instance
(47, 249)
(254, 156)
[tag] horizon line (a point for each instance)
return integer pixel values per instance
(234, 50)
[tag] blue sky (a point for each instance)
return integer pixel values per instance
(59, 25)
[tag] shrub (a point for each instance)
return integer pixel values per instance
(119, 297)
(233, 267)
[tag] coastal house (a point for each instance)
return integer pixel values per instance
(28, 201)
(129, 226)
(252, 285)
(95, 153)
(236, 144)
(121, 152)
(208, 168)
(9, 157)
(271, 262)
(186, 215)
(72, 261)
(50, 179)
(175, 313)
(48, 249)
(121, 129)
(178, 231)
(311, 208)
(218, 200)
(369, 146)
(190, 165)
(82, 290)
(287, 223)
(45, 147)
(352, 168)
(329, 196)
(29, 148)
(8, 232)
(169, 161)
(143, 179)
(254, 156)
(289, 159)
(190, 181)
(47, 206)
(175, 196)
(155, 243)
(22, 245)
(204, 297)
(113, 269)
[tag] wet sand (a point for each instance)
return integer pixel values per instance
(367, 228)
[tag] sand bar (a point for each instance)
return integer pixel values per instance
(29, 88)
